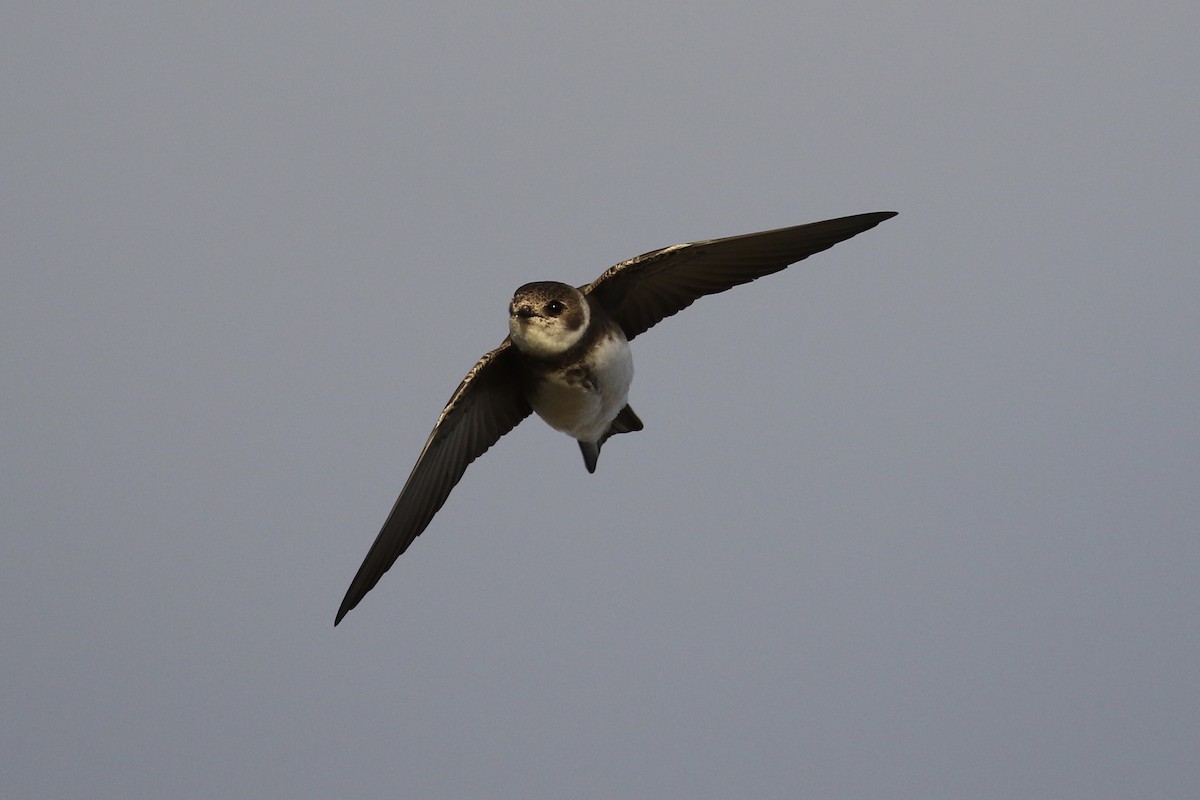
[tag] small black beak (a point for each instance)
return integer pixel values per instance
(524, 312)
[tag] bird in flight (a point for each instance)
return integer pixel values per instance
(567, 358)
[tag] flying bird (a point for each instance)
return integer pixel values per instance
(567, 358)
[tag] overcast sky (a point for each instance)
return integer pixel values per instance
(916, 518)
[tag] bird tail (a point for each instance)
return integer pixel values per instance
(626, 422)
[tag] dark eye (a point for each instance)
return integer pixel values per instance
(554, 308)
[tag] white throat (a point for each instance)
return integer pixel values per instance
(547, 337)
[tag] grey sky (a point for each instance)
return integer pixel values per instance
(925, 526)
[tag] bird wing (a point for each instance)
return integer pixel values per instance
(486, 405)
(641, 292)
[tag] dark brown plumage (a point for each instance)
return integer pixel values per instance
(637, 294)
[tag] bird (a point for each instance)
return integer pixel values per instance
(567, 359)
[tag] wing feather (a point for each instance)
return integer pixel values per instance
(643, 291)
(486, 405)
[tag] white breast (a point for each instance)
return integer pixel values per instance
(583, 409)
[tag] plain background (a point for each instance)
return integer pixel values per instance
(916, 518)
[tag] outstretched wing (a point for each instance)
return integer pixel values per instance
(641, 292)
(487, 404)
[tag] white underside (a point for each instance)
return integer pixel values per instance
(584, 413)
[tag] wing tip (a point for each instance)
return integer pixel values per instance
(343, 611)
(855, 224)
(873, 218)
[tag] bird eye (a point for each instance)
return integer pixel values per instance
(554, 308)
